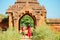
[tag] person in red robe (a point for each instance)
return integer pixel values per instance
(29, 31)
(23, 30)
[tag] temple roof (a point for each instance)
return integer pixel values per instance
(19, 4)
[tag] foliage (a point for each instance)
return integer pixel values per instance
(45, 33)
(26, 20)
(2, 16)
(10, 34)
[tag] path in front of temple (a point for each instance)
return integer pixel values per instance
(25, 38)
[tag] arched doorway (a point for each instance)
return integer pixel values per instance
(27, 19)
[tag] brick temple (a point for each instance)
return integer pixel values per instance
(34, 10)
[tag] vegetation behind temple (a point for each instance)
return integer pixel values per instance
(26, 20)
(2, 16)
(3, 22)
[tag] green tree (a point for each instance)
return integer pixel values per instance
(2, 16)
(27, 20)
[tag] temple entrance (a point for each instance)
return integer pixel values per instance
(26, 23)
(26, 20)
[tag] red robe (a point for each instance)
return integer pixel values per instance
(22, 29)
(29, 31)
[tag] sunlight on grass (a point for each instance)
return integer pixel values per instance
(44, 32)
(10, 35)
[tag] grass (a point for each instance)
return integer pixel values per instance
(44, 32)
(3, 16)
(10, 34)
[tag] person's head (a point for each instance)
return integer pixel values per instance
(28, 24)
